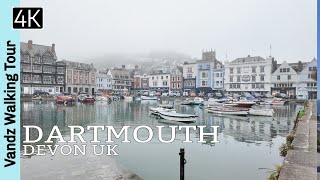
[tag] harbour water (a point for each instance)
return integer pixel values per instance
(248, 148)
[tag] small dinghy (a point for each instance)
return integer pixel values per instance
(173, 116)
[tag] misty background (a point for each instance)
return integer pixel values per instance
(108, 32)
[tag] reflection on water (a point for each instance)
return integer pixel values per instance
(246, 143)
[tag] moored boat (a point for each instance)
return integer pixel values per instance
(261, 112)
(173, 116)
(87, 99)
(65, 99)
(195, 101)
(229, 111)
(149, 98)
(128, 98)
(278, 101)
(162, 108)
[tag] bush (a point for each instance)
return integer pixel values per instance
(275, 174)
(284, 149)
(290, 138)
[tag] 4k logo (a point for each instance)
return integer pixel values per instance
(27, 18)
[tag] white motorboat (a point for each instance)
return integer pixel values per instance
(128, 98)
(162, 108)
(102, 98)
(229, 111)
(195, 101)
(261, 112)
(173, 116)
(149, 98)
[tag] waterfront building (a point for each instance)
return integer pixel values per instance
(285, 79)
(249, 74)
(204, 71)
(141, 82)
(189, 77)
(103, 82)
(121, 80)
(176, 84)
(80, 78)
(40, 69)
(159, 81)
(307, 86)
(218, 77)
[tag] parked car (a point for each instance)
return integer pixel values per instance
(145, 93)
(157, 94)
(152, 94)
(185, 94)
(210, 95)
(171, 94)
(178, 94)
(40, 93)
(193, 95)
(164, 94)
(201, 94)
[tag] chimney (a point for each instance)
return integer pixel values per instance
(30, 44)
(123, 66)
(53, 48)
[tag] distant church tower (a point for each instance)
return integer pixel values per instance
(209, 55)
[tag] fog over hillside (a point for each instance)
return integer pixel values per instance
(161, 58)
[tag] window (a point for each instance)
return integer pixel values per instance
(310, 68)
(288, 69)
(230, 86)
(152, 78)
(261, 86)
(253, 78)
(253, 86)
(167, 77)
(254, 69)
(231, 78)
(154, 83)
(238, 70)
(309, 76)
(278, 77)
(217, 74)
(204, 83)
(289, 77)
(261, 77)
(238, 78)
(164, 83)
(189, 76)
(238, 86)
(231, 70)
(246, 69)
(172, 78)
(189, 70)
(208, 66)
(178, 78)
(261, 69)
(204, 75)
(161, 77)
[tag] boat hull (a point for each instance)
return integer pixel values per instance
(149, 98)
(261, 112)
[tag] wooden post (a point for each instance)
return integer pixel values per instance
(182, 163)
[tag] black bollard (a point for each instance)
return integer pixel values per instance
(182, 163)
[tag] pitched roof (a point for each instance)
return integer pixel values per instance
(248, 59)
(37, 49)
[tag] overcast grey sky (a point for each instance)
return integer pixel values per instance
(83, 29)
